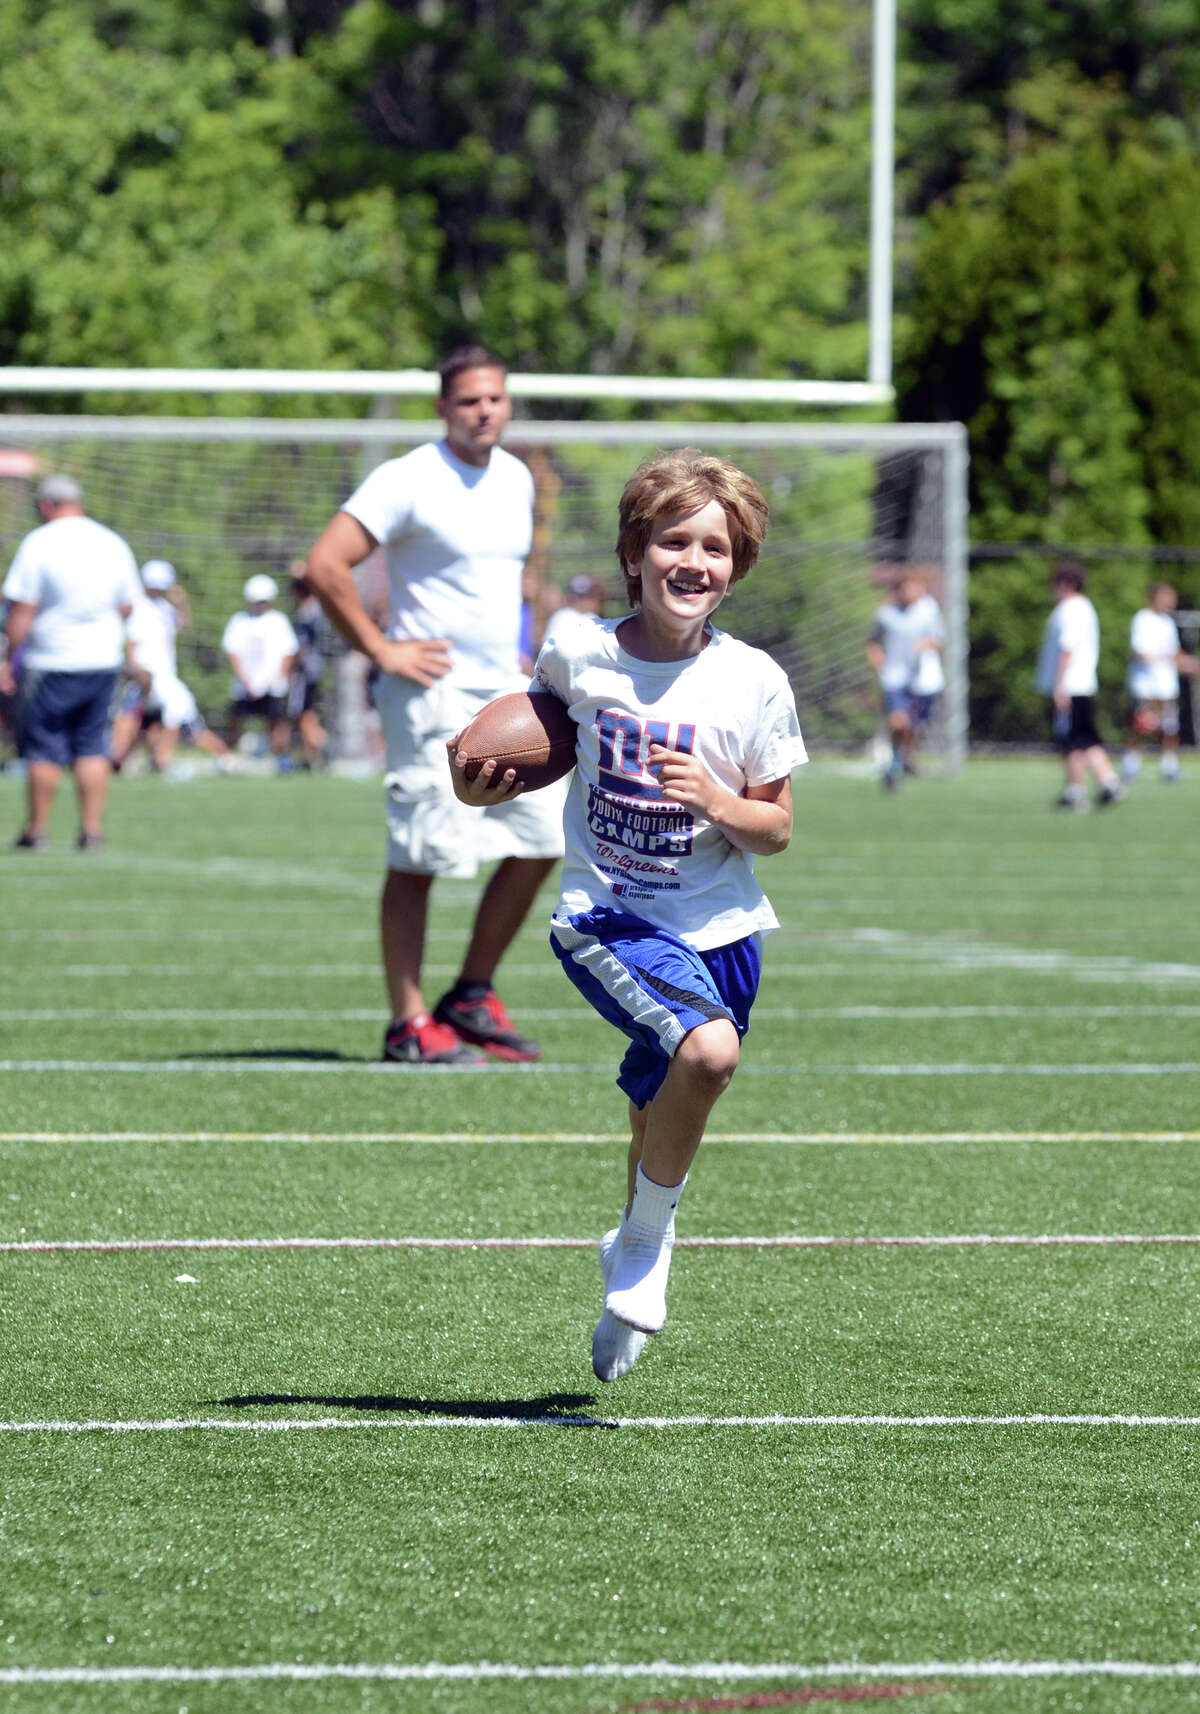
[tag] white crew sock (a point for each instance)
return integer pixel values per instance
(653, 1208)
(637, 1289)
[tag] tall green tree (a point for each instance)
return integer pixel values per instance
(640, 185)
(1058, 315)
(151, 216)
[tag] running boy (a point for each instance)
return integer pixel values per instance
(687, 740)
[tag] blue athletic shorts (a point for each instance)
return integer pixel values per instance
(918, 708)
(64, 716)
(653, 986)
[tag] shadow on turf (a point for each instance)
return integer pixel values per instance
(275, 1053)
(566, 1408)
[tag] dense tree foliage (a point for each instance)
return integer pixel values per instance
(1057, 313)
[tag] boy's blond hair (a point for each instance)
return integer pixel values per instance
(675, 484)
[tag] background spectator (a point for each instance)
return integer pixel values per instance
(262, 650)
(70, 587)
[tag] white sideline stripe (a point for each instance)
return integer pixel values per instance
(372, 1067)
(558, 1014)
(797, 1241)
(716, 1671)
(289, 1425)
(815, 1138)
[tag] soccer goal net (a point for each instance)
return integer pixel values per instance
(222, 497)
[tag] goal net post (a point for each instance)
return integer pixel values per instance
(223, 497)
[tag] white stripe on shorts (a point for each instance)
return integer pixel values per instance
(622, 988)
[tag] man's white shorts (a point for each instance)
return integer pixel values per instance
(429, 831)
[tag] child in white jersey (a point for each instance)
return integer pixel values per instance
(687, 739)
(1156, 660)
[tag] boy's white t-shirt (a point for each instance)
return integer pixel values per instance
(456, 537)
(261, 642)
(78, 574)
(898, 630)
(628, 848)
(1155, 637)
(1072, 627)
(153, 642)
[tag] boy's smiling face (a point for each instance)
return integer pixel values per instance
(686, 569)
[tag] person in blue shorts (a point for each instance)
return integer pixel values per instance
(71, 586)
(905, 649)
(687, 739)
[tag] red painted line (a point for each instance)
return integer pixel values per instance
(790, 1698)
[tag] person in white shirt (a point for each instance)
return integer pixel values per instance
(1156, 660)
(687, 739)
(1066, 673)
(583, 601)
(905, 649)
(164, 708)
(71, 586)
(261, 647)
(455, 519)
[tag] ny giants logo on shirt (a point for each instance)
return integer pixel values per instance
(625, 746)
(648, 825)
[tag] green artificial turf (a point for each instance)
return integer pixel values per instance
(943, 954)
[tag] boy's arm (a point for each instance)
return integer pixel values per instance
(760, 821)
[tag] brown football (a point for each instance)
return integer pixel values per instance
(530, 731)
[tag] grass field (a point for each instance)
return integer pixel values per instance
(382, 1476)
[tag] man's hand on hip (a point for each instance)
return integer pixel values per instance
(421, 659)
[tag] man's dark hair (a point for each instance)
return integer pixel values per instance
(465, 357)
(1072, 572)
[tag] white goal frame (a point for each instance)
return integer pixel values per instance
(875, 389)
(375, 437)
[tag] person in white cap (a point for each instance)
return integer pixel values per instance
(166, 707)
(71, 586)
(583, 602)
(262, 647)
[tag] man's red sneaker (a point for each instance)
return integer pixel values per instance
(485, 1023)
(423, 1041)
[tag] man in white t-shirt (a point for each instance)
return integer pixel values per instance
(455, 520)
(261, 646)
(70, 588)
(1156, 659)
(1066, 673)
(905, 649)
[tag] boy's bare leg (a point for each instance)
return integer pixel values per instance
(704, 1063)
(673, 1126)
(637, 1125)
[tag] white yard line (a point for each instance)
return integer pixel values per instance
(542, 1014)
(896, 948)
(798, 1241)
(468, 1420)
(224, 1065)
(715, 1672)
(569, 1138)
